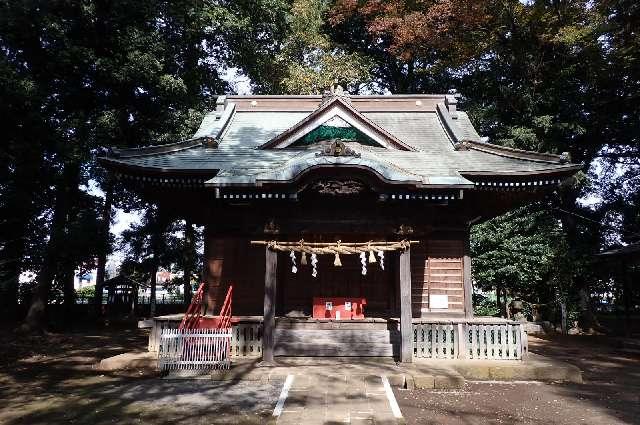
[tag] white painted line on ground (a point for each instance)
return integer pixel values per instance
(395, 409)
(507, 382)
(283, 395)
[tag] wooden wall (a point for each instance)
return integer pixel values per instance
(234, 260)
(296, 291)
(437, 269)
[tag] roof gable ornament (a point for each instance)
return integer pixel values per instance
(336, 106)
(335, 91)
(337, 147)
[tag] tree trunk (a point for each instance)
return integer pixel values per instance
(152, 295)
(188, 260)
(587, 320)
(18, 201)
(67, 277)
(563, 317)
(11, 262)
(498, 298)
(102, 257)
(34, 322)
(627, 296)
(156, 242)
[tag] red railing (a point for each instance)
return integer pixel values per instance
(194, 312)
(224, 321)
(193, 318)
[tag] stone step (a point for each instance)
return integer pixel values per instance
(284, 323)
(336, 350)
(336, 336)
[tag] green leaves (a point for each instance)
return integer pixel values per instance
(517, 250)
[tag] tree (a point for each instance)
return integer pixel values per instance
(149, 245)
(102, 74)
(517, 251)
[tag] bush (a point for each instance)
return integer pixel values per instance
(485, 305)
(86, 292)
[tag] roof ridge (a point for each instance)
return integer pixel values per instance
(516, 153)
(353, 96)
(160, 149)
(460, 142)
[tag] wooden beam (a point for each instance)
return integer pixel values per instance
(466, 276)
(406, 328)
(269, 321)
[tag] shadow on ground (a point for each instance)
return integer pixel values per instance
(51, 379)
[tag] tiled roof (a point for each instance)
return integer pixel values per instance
(447, 147)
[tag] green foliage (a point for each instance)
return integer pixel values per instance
(79, 76)
(313, 63)
(485, 305)
(517, 250)
(86, 292)
(544, 76)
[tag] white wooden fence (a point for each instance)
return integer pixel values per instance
(470, 340)
(198, 350)
(246, 340)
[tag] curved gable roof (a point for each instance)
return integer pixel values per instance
(419, 135)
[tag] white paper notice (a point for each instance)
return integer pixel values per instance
(347, 305)
(438, 301)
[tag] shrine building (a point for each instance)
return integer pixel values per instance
(342, 221)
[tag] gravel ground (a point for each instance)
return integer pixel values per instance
(610, 394)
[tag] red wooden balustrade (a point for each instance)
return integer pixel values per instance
(194, 312)
(194, 319)
(224, 321)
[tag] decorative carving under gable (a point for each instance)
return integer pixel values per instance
(271, 228)
(338, 187)
(404, 230)
(337, 147)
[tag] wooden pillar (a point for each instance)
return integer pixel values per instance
(406, 328)
(466, 277)
(269, 320)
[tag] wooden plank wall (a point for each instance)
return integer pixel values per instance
(234, 260)
(296, 291)
(437, 269)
